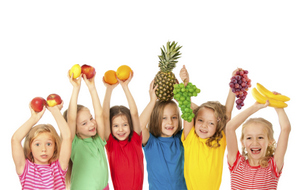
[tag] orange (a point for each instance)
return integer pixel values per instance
(110, 77)
(123, 72)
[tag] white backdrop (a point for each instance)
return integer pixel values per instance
(40, 41)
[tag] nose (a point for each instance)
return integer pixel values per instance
(43, 148)
(170, 121)
(121, 128)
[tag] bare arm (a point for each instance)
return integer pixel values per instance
(132, 105)
(229, 104)
(283, 138)
(72, 110)
(18, 136)
(97, 106)
(184, 75)
(145, 116)
(106, 108)
(66, 144)
(233, 124)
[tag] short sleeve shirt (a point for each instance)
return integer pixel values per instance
(203, 165)
(90, 170)
(126, 162)
(47, 177)
(165, 159)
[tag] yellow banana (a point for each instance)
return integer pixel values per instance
(262, 99)
(270, 94)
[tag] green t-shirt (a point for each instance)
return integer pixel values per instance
(89, 169)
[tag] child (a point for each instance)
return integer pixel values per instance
(204, 142)
(43, 162)
(161, 143)
(124, 141)
(88, 167)
(260, 165)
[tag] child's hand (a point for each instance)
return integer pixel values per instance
(109, 86)
(126, 82)
(260, 106)
(152, 90)
(75, 82)
(89, 82)
(184, 75)
(37, 115)
(59, 107)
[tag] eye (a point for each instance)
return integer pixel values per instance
(200, 120)
(37, 144)
(84, 123)
(164, 117)
(174, 117)
(260, 137)
(49, 144)
(91, 118)
(115, 125)
(248, 138)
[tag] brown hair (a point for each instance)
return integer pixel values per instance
(121, 111)
(155, 123)
(220, 114)
(36, 131)
(270, 132)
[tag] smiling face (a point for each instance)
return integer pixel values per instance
(120, 127)
(86, 124)
(42, 148)
(256, 141)
(206, 123)
(169, 120)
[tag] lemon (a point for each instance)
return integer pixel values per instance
(75, 70)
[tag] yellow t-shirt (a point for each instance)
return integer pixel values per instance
(203, 165)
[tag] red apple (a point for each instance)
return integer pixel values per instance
(88, 70)
(38, 103)
(53, 99)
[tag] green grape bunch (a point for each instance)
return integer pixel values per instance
(183, 96)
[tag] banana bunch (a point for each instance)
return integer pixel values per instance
(261, 95)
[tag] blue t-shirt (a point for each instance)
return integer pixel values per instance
(165, 161)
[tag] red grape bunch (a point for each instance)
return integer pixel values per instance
(239, 85)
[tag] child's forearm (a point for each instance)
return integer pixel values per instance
(72, 110)
(131, 102)
(145, 116)
(61, 123)
(283, 120)
(229, 104)
(22, 131)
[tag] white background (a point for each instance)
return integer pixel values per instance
(41, 40)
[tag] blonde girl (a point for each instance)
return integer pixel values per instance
(162, 145)
(88, 167)
(124, 140)
(260, 163)
(204, 142)
(43, 161)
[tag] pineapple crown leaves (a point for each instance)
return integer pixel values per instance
(169, 56)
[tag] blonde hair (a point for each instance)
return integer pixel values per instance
(34, 133)
(270, 134)
(220, 114)
(70, 166)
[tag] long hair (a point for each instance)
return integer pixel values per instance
(36, 131)
(121, 111)
(220, 114)
(270, 133)
(70, 166)
(156, 117)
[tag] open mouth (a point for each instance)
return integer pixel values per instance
(92, 130)
(203, 131)
(121, 134)
(255, 150)
(169, 128)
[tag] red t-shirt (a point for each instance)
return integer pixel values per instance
(244, 176)
(126, 162)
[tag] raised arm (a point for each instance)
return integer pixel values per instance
(96, 105)
(282, 143)
(184, 75)
(106, 107)
(18, 136)
(66, 144)
(72, 110)
(145, 116)
(233, 124)
(132, 105)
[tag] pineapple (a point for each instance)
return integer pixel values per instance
(165, 79)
